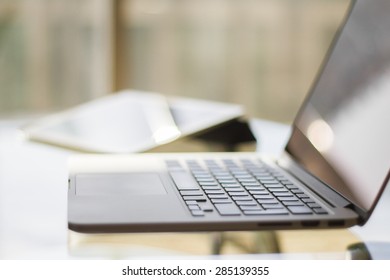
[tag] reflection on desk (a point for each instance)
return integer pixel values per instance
(319, 244)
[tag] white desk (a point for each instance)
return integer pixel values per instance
(33, 198)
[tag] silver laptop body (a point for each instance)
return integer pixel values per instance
(331, 174)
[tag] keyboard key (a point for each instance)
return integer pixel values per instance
(231, 185)
(238, 189)
(313, 205)
(225, 178)
(184, 181)
(246, 181)
(243, 176)
(197, 213)
(277, 185)
(193, 207)
(278, 190)
(300, 209)
(205, 180)
(214, 188)
(285, 182)
(254, 188)
(203, 184)
(247, 203)
(191, 193)
(287, 198)
(218, 196)
(264, 176)
(258, 192)
(250, 207)
(237, 171)
(272, 206)
(237, 193)
(201, 174)
(308, 200)
(242, 198)
(290, 186)
(191, 202)
(272, 200)
(254, 185)
(263, 196)
(227, 181)
(267, 181)
(228, 209)
(320, 211)
(221, 200)
(293, 203)
(296, 191)
(194, 198)
(283, 194)
(221, 173)
(219, 191)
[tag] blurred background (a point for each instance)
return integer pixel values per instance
(263, 54)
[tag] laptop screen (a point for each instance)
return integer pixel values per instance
(342, 133)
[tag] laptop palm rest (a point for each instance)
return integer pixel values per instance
(119, 184)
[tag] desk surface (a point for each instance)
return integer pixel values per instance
(33, 211)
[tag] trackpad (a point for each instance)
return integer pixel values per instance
(119, 184)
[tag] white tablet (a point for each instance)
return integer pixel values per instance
(129, 121)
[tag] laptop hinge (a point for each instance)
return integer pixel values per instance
(320, 188)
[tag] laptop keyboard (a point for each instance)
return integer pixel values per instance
(241, 187)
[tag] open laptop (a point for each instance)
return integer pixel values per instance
(331, 174)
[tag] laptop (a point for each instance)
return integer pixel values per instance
(331, 174)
